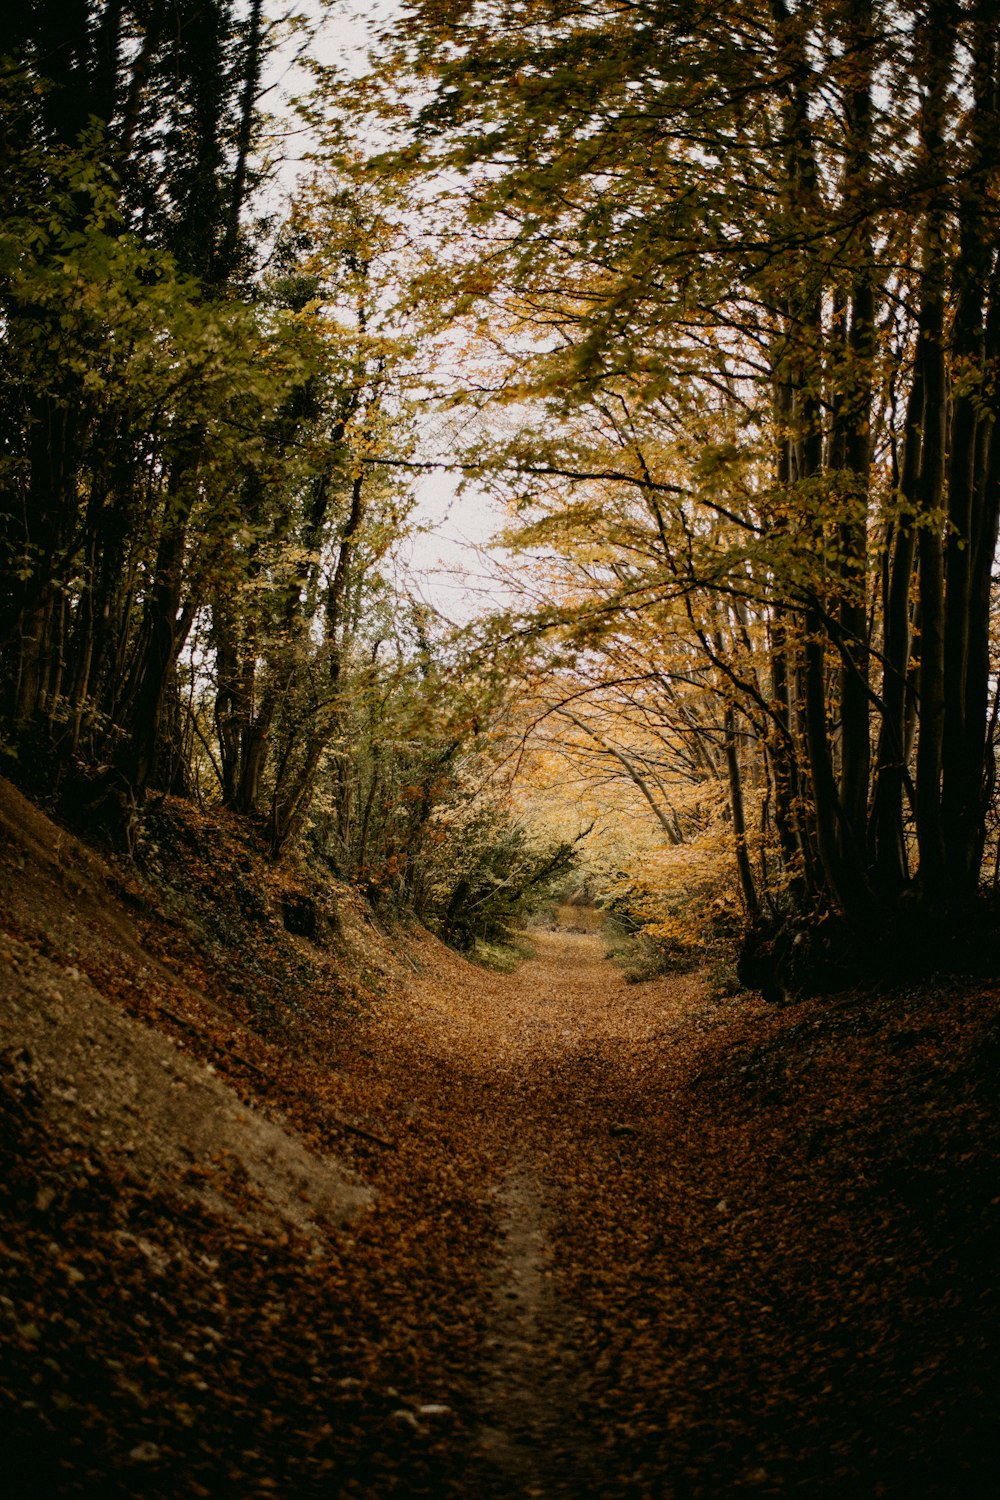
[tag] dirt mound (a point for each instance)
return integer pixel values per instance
(72, 955)
(111, 1085)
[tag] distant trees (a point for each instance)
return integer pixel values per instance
(738, 268)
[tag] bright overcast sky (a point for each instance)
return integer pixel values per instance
(444, 562)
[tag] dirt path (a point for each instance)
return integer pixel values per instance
(604, 1241)
(535, 1072)
(693, 1248)
(529, 1395)
(559, 1004)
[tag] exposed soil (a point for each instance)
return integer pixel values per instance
(352, 1217)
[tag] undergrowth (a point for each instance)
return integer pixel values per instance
(640, 955)
(502, 957)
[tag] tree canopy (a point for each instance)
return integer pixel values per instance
(735, 270)
(711, 294)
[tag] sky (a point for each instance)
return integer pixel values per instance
(444, 562)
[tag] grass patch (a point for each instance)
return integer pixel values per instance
(502, 958)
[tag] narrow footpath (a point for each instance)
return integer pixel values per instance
(544, 1066)
(683, 1264)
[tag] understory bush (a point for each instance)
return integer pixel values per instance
(490, 878)
(637, 952)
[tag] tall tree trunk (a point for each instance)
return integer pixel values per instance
(165, 626)
(972, 517)
(887, 835)
(244, 136)
(854, 437)
(936, 43)
(748, 887)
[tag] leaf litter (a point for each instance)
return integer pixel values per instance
(601, 1239)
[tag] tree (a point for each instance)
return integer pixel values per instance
(186, 488)
(743, 267)
(121, 355)
(291, 620)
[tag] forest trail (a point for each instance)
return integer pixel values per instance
(693, 1246)
(360, 1219)
(551, 1087)
(547, 1059)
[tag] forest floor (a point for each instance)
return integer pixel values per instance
(349, 1217)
